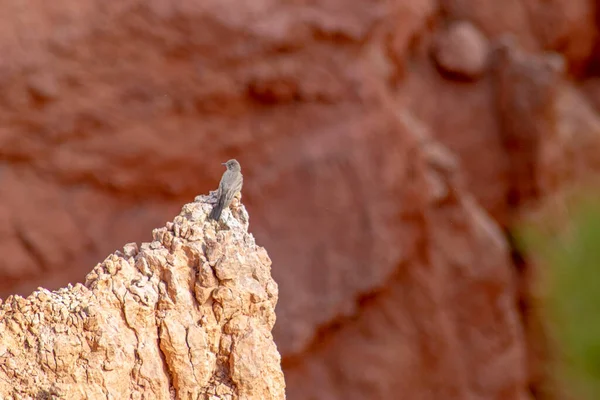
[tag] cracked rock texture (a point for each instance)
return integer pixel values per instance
(383, 168)
(186, 316)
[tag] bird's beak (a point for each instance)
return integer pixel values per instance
(223, 163)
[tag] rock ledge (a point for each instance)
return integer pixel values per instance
(187, 316)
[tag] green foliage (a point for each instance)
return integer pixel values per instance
(571, 295)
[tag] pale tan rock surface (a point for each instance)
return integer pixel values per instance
(461, 50)
(187, 316)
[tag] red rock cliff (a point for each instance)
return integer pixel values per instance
(385, 146)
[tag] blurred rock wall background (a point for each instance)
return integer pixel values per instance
(388, 148)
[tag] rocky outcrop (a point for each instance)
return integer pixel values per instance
(186, 316)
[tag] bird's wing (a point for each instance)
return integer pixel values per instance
(221, 184)
(236, 187)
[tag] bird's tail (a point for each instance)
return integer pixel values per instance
(217, 209)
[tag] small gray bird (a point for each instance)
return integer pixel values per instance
(230, 185)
